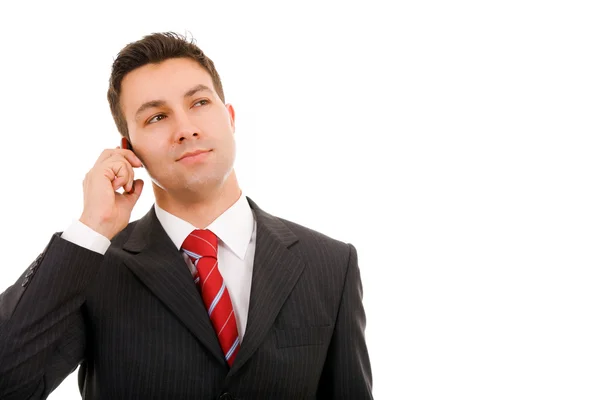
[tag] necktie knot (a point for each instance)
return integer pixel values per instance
(201, 243)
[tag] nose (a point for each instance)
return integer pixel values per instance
(184, 136)
(184, 128)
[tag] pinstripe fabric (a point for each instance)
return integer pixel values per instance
(136, 321)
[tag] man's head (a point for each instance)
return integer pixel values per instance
(166, 98)
(153, 49)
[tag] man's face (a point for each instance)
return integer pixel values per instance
(172, 109)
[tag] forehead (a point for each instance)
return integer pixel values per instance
(167, 81)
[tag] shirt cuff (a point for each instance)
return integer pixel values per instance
(84, 236)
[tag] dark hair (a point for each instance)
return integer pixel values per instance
(153, 49)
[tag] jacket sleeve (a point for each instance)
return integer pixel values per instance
(347, 370)
(42, 332)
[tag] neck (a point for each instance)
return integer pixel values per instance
(200, 209)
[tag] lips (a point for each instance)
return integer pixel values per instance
(192, 153)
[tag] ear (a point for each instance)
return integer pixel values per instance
(231, 113)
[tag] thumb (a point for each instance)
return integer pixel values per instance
(138, 185)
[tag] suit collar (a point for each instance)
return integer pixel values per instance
(160, 266)
(141, 236)
(233, 227)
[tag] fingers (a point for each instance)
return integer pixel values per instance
(119, 172)
(118, 165)
(105, 209)
(137, 187)
(118, 152)
(130, 176)
(132, 158)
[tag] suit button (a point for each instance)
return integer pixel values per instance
(226, 396)
(25, 282)
(29, 272)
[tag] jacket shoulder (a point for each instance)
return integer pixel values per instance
(315, 239)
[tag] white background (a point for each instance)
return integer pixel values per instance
(455, 144)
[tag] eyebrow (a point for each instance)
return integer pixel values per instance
(159, 103)
(196, 89)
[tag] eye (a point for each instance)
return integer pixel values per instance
(156, 118)
(201, 102)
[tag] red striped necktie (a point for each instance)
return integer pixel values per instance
(201, 247)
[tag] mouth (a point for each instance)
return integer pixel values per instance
(193, 154)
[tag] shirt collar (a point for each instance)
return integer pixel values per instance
(233, 228)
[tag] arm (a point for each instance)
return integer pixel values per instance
(42, 328)
(42, 332)
(347, 370)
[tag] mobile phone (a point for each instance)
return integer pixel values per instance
(126, 145)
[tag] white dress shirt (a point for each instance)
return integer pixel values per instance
(236, 230)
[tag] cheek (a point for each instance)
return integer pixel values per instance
(217, 121)
(156, 155)
(210, 126)
(227, 142)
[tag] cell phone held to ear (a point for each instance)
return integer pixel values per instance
(126, 145)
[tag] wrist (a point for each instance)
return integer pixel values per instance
(103, 228)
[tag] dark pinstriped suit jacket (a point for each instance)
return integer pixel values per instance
(135, 321)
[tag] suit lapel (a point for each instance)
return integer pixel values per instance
(160, 266)
(275, 272)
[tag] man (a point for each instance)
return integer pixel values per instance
(207, 296)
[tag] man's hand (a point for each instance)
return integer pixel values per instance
(104, 209)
